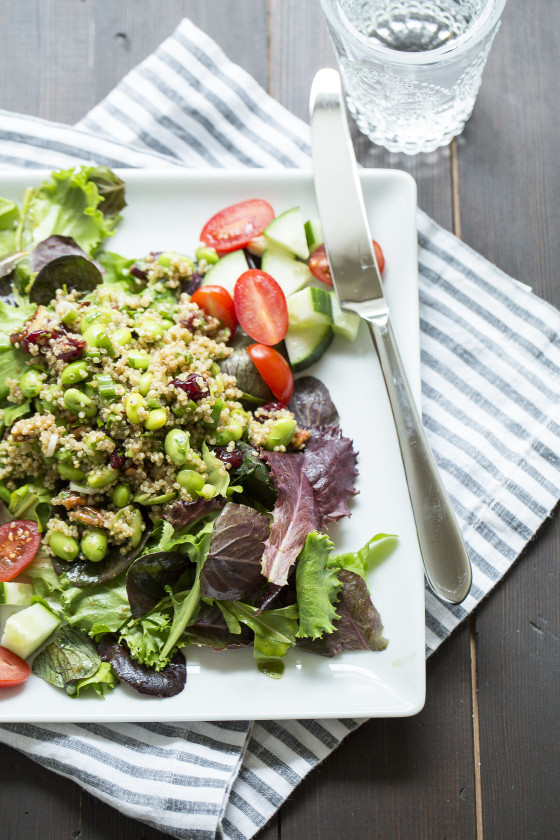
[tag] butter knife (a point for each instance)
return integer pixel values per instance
(358, 285)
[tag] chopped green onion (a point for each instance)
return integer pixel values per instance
(106, 387)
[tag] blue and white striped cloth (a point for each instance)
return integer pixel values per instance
(491, 389)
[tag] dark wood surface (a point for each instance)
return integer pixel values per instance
(481, 760)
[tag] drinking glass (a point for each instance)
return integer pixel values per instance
(412, 68)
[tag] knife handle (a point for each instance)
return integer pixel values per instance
(445, 558)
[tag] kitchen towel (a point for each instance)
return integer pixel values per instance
(490, 389)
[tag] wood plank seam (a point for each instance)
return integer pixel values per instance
(476, 731)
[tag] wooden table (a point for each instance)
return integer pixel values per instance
(481, 760)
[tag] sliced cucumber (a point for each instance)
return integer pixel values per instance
(345, 324)
(306, 345)
(27, 629)
(314, 234)
(287, 230)
(289, 272)
(311, 307)
(226, 271)
(16, 594)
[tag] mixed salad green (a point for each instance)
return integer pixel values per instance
(164, 480)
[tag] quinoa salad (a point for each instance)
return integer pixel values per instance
(164, 480)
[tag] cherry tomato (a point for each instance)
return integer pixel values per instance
(320, 268)
(274, 369)
(217, 301)
(19, 541)
(13, 669)
(235, 226)
(260, 306)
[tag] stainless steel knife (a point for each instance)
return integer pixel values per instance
(358, 285)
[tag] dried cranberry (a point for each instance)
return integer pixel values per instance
(192, 322)
(70, 348)
(192, 284)
(194, 386)
(233, 458)
(118, 461)
(38, 338)
(139, 273)
(266, 410)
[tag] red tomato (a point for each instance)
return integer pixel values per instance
(19, 542)
(13, 669)
(320, 268)
(217, 301)
(274, 369)
(235, 226)
(260, 306)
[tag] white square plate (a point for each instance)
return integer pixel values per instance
(166, 211)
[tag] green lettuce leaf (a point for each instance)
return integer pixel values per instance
(103, 680)
(147, 637)
(275, 632)
(69, 658)
(12, 360)
(11, 413)
(31, 502)
(97, 609)
(67, 204)
(317, 587)
(370, 555)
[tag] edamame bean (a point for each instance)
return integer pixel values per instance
(233, 431)
(94, 544)
(96, 336)
(177, 445)
(77, 402)
(122, 337)
(209, 255)
(64, 547)
(101, 477)
(144, 383)
(138, 360)
(190, 480)
(147, 499)
(121, 495)
(208, 491)
(155, 419)
(74, 372)
(150, 330)
(71, 473)
(281, 433)
(95, 316)
(136, 523)
(154, 402)
(135, 407)
(165, 260)
(48, 402)
(31, 383)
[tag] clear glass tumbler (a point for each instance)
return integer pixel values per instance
(412, 68)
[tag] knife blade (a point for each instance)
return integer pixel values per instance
(358, 285)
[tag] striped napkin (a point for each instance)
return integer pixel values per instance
(490, 386)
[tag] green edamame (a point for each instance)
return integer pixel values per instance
(74, 372)
(144, 383)
(31, 383)
(156, 419)
(147, 499)
(191, 481)
(233, 431)
(149, 329)
(71, 473)
(281, 433)
(79, 403)
(94, 544)
(95, 316)
(96, 336)
(209, 255)
(101, 477)
(177, 445)
(122, 337)
(64, 547)
(121, 495)
(135, 407)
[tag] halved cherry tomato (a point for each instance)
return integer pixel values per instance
(260, 306)
(19, 541)
(274, 369)
(13, 669)
(320, 268)
(217, 301)
(235, 226)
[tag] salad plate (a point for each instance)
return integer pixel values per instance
(166, 211)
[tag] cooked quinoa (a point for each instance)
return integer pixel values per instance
(115, 373)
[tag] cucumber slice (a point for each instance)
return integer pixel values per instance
(16, 594)
(306, 345)
(226, 271)
(314, 234)
(345, 324)
(289, 272)
(27, 629)
(311, 307)
(287, 230)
